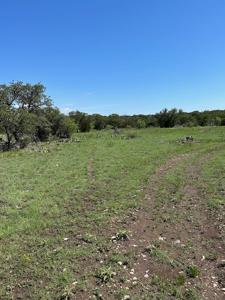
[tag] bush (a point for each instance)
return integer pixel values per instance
(25, 141)
(141, 123)
(66, 127)
(85, 124)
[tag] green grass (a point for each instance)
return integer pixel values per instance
(57, 205)
(214, 177)
(160, 255)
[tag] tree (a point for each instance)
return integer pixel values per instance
(167, 118)
(114, 120)
(98, 122)
(82, 120)
(85, 124)
(66, 127)
(19, 106)
(141, 123)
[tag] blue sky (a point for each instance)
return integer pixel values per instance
(117, 56)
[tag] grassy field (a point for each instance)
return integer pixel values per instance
(137, 215)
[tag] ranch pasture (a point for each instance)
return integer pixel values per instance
(136, 215)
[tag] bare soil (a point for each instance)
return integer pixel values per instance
(186, 230)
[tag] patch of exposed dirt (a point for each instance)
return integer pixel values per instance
(181, 233)
(90, 171)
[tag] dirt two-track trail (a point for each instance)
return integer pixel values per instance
(194, 225)
(173, 230)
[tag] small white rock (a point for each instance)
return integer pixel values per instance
(177, 242)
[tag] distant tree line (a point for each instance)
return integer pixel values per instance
(164, 119)
(27, 115)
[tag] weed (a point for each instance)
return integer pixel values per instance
(212, 256)
(117, 258)
(122, 235)
(105, 274)
(160, 255)
(191, 294)
(180, 280)
(88, 238)
(165, 287)
(192, 271)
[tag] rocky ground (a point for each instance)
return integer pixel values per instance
(172, 247)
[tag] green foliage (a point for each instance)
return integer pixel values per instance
(105, 274)
(66, 128)
(191, 294)
(159, 255)
(82, 120)
(99, 122)
(119, 258)
(167, 118)
(85, 124)
(180, 280)
(20, 108)
(192, 271)
(61, 125)
(25, 111)
(122, 235)
(141, 123)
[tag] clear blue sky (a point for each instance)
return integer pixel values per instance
(122, 56)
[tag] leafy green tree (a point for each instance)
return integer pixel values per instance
(66, 128)
(141, 123)
(82, 120)
(85, 124)
(99, 122)
(19, 106)
(167, 118)
(115, 120)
